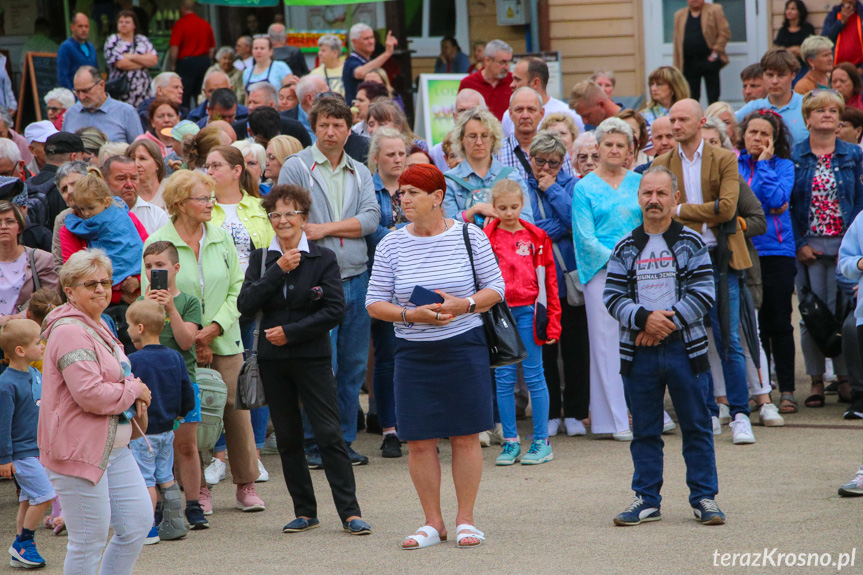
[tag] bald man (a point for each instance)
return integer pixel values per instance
(464, 100)
(661, 139)
(213, 81)
(711, 210)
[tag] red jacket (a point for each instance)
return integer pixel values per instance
(527, 292)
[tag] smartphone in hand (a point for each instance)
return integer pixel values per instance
(159, 279)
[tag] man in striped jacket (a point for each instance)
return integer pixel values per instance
(660, 287)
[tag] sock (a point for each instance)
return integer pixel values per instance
(26, 534)
(192, 503)
(392, 432)
(373, 406)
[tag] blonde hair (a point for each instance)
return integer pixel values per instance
(148, 313)
(812, 45)
(285, 146)
(559, 118)
(18, 332)
(505, 188)
(716, 108)
(110, 149)
(178, 188)
(488, 121)
(587, 90)
(197, 146)
(90, 188)
(42, 302)
(83, 263)
(673, 78)
(819, 98)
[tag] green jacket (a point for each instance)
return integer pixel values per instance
(222, 281)
(254, 218)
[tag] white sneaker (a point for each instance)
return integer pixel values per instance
(496, 434)
(724, 414)
(741, 430)
(717, 426)
(270, 447)
(553, 427)
(574, 427)
(263, 474)
(769, 416)
(215, 471)
(484, 439)
(668, 425)
(622, 435)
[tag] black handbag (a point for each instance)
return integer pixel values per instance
(119, 87)
(505, 346)
(250, 386)
(821, 322)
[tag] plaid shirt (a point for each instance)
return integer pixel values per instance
(695, 292)
(507, 157)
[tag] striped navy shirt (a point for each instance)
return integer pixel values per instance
(404, 261)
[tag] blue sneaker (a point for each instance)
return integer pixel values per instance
(152, 536)
(638, 512)
(24, 553)
(708, 513)
(510, 453)
(539, 452)
(313, 457)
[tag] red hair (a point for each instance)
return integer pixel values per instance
(425, 177)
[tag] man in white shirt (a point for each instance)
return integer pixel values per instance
(243, 48)
(464, 100)
(121, 175)
(533, 73)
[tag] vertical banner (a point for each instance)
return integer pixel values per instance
(435, 105)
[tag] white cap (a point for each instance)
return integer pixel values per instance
(40, 131)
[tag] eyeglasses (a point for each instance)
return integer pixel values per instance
(91, 284)
(278, 216)
(474, 137)
(86, 90)
(585, 157)
(553, 164)
(54, 109)
(211, 199)
(8, 223)
(214, 165)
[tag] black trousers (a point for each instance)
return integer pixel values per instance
(695, 70)
(192, 71)
(574, 346)
(774, 317)
(852, 345)
(310, 381)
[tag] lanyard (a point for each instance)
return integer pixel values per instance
(252, 73)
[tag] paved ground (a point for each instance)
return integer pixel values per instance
(555, 518)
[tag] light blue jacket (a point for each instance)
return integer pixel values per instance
(850, 253)
(455, 200)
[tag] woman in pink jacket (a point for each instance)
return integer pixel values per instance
(83, 435)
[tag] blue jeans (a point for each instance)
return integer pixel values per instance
(384, 339)
(653, 369)
(534, 378)
(733, 366)
(350, 341)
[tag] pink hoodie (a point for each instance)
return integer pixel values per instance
(83, 388)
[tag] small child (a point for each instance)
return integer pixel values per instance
(526, 261)
(181, 326)
(20, 394)
(164, 372)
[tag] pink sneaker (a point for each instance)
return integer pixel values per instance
(205, 498)
(247, 498)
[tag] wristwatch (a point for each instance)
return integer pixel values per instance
(472, 305)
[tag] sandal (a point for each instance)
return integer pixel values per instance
(787, 404)
(814, 400)
(465, 531)
(426, 536)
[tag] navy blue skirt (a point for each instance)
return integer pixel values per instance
(443, 388)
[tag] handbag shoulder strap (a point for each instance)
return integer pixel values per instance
(260, 315)
(37, 284)
(521, 158)
(467, 246)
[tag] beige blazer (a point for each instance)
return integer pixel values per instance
(714, 26)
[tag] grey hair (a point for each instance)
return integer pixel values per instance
(714, 123)
(162, 80)
(95, 75)
(613, 126)
(249, 146)
(6, 117)
(111, 149)
(470, 92)
(67, 168)
(358, 29)
(812, 45)
(222, 51)
(83, 263)
(332, 41)
(268, 88)
(276, 35)
(386, 134)
(495, 46)
(604, 74)
(213, 72)
(9, 150)
(307, 85)
(548, 142)
(526, 89)
(488, 121)
(584, 139)
(247, 40)
(63, 95)
(675, 186)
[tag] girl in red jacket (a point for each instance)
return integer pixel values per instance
(526, 261)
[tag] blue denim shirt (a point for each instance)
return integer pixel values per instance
(374, 238)
(455, 200)
(847, 166)
(557, 204)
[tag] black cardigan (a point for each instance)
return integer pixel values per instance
(315, 302)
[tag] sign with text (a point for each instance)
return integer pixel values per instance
(435, 104)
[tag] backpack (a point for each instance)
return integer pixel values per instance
(37, 203)
(478, 194)
(214, 396)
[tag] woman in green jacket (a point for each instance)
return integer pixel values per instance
(210, 270)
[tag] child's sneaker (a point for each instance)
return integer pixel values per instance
(152, 536)
(24, 555)
(195, 516)
(510, 453)
(205, 498)
(853, 488)
(539, 452)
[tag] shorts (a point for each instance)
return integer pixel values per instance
(31, 477)
(194, 416)
(156, 465)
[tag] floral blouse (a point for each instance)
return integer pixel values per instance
(139, 80)
(12, 276)
(398, 213)
(825, 217)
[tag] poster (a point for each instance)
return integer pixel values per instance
(435, 104)
(555, 73)
(19, 17)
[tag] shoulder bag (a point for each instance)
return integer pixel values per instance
(119, 87)
(250, 387)
(505, 346)
(821, 322)
(574, 289)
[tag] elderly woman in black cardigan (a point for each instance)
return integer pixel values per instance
(300, 296)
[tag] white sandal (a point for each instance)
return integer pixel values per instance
(426, 536)
(470, 532)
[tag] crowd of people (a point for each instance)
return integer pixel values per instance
(241, 209)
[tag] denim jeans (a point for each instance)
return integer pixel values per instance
(384, 339)
(120, 500)
(654, 369)
(734, 365)
(534, 378)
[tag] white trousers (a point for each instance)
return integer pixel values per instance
(758, 380)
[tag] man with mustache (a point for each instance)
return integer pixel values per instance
(660, 287)
(494, 81)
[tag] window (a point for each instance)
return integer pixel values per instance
(427, 24)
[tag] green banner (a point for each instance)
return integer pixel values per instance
(242, 3)
(326, 2)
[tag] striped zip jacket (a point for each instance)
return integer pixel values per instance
(695, 294)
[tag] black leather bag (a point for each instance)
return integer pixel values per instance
(821, 322)
(119, 87)
(505, 346)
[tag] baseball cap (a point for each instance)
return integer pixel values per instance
(39, 131)
(63, 143)
(182, 129)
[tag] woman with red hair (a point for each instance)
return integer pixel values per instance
(442, 377)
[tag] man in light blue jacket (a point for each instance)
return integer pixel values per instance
(344, 210)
